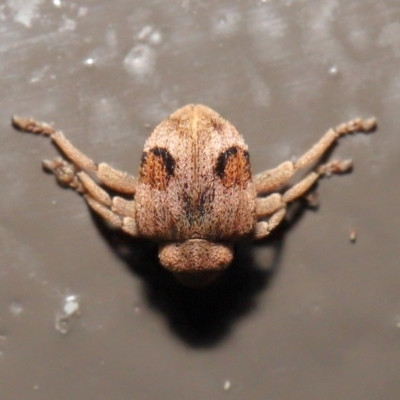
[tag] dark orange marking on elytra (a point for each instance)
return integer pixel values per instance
(233, 167)
(156, 168)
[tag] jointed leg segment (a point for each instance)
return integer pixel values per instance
(274, 205)
(270, 180)
(75, 174)
(108, 176)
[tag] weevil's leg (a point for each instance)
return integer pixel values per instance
(264, 228)
(115, 210)
(272, 179)
(127, 224)
(65, 173)
(266, 206)
(300, 188)
(271, 204)
(41, 128)
(116, 180)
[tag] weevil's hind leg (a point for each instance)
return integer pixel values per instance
(108, 176)
(274, 206)
(271, 180)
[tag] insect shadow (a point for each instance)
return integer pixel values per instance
(203, 317)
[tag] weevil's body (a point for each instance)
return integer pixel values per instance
(195, 194)
(195, 180)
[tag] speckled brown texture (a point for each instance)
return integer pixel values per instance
(196, 203)
(201, 255)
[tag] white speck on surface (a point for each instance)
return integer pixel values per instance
(155, 37)
(102, 54)
(71, 305)
(24, 11)
(57, 3)
(98, 56)
(227, 385)
(334, 70)
(89, 62)
(140, 61)
(71, 310)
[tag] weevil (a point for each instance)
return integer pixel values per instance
(195, 194)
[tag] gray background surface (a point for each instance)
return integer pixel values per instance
(307, 315)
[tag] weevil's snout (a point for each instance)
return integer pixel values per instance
(196, 262)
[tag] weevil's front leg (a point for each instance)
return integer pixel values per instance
(65, 172)
(115, 210)
(271, 180)
(264, 228)
(110, 177)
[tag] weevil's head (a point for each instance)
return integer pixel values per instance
(196, 262)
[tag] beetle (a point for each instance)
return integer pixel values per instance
(195, 194)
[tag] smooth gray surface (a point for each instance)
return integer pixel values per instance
(310, 317)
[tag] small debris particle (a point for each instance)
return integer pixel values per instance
(70, 311)
(312, 199)
(62, 324)
(353, 235)
(71, 306)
